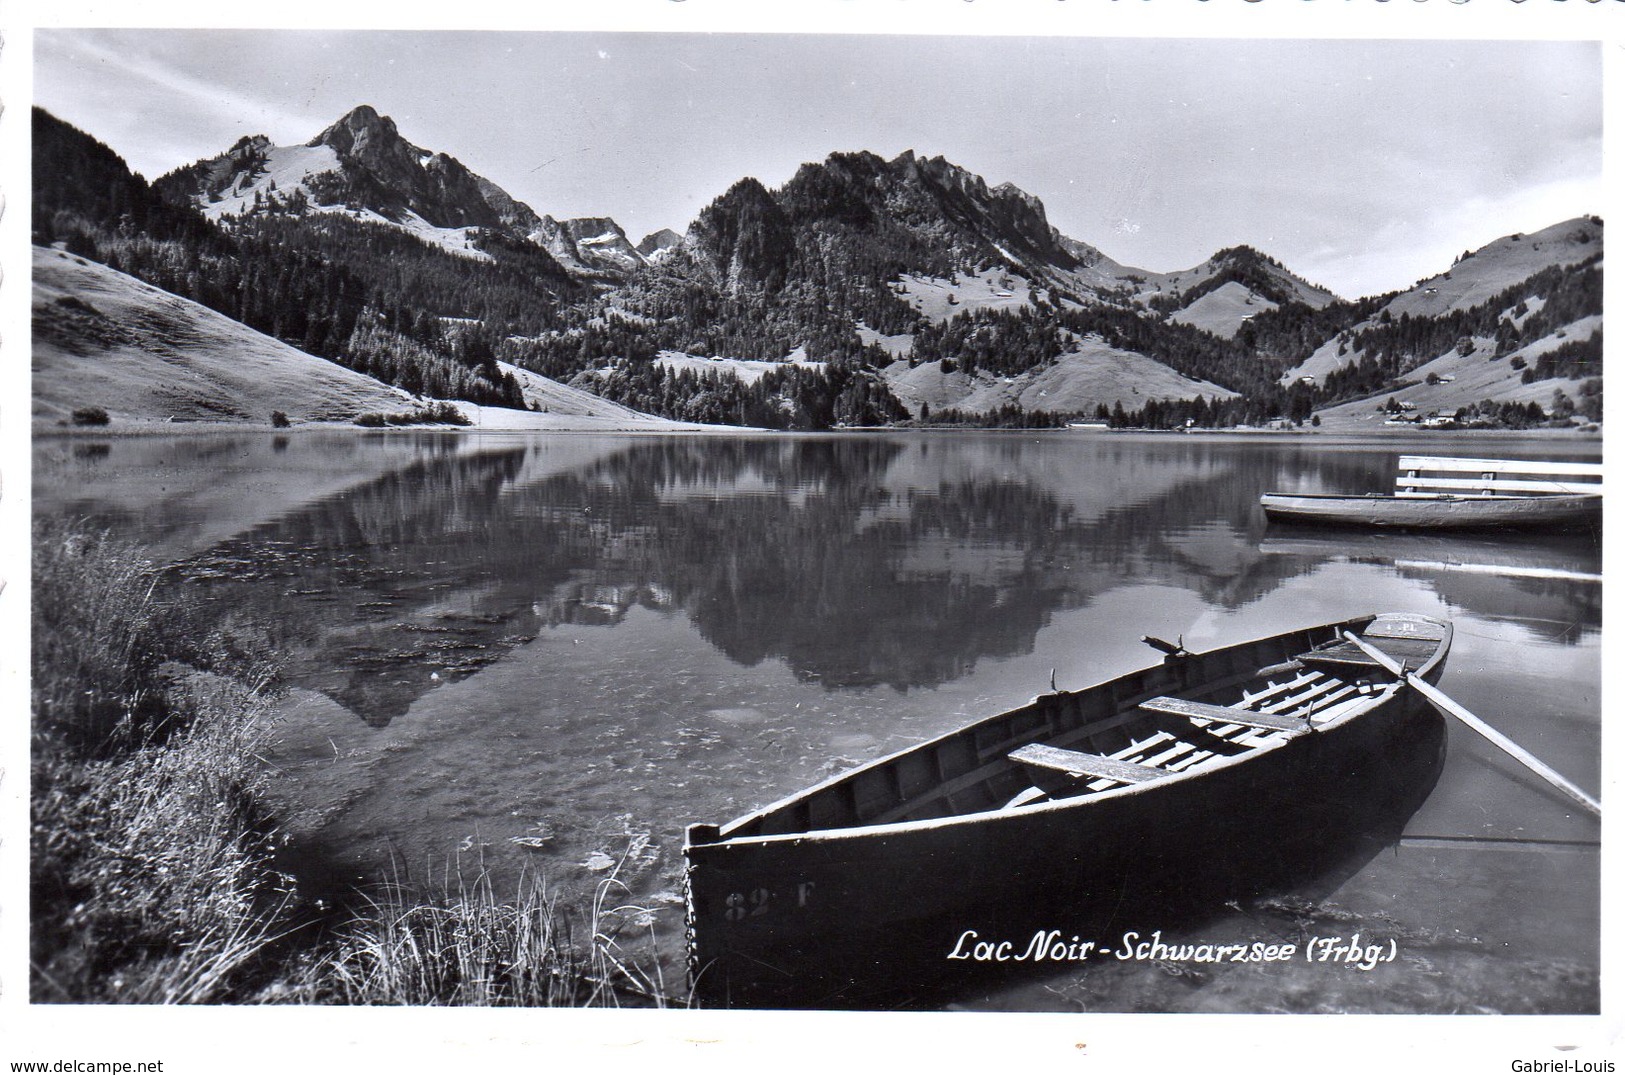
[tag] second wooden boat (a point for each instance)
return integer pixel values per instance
(1436, 513)
(1451, 493)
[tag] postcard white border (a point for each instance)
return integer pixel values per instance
(281, 1040)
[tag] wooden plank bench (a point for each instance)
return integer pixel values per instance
(1412, 627)
(1142, 748)
(1437, 476)
(1043, 761)
(1225, 714)
(1310, 696)
(1341, 662)
(1346, 659)
(1276, 690)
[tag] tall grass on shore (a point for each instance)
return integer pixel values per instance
(96, 632)
(472, 949)
(152, 873)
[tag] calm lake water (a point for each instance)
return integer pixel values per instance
(546, 655)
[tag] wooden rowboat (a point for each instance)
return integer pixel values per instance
(1080, 810)
(1562, 511)
(1451, 493)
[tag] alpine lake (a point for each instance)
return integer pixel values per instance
(542, 656)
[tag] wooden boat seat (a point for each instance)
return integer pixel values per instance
(1275, 691)
(1345, 658)
(1340, 663)
(1045, 761)
(1226, 714)
(1406, 628)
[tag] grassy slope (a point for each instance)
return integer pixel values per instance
(1490, 270)
(1499, 265)
(559, 399)
(1222, 311)
(1474, 378)
(1092, 374)
(939, 299)
(105, 339)
(1186, 279)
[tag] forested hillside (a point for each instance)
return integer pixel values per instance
(907, 289)
(363, 295)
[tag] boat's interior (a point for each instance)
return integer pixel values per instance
(1190, 711)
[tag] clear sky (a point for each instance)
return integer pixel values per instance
(1362, 165)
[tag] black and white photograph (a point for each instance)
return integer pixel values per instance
(664, 529)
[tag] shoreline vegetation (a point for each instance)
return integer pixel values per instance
(154, 875)
(1331, 428)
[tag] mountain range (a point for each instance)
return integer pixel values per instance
(362, 166)
(904, 289)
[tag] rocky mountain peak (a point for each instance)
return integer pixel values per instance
(744, 238)
(250, 143)
(1011, 192)
(371, 141)
(591, 247)
(357, 131)
(658, 242)
(1241, 255)
(949, 174)
(362, 165)
(518, 216)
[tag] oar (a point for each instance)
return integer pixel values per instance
(1447, 705)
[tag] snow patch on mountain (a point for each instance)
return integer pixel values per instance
(286, 169)
(286, 175)
(363, 168)
(551, 397)
(748, 370)
(897, 346)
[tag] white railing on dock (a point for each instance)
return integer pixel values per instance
(1436, 476)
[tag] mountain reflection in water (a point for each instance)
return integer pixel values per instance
(856, 561)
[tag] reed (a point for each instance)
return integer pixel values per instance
(95, 639)
(472, 948)
(152, 872)
(152, 876)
